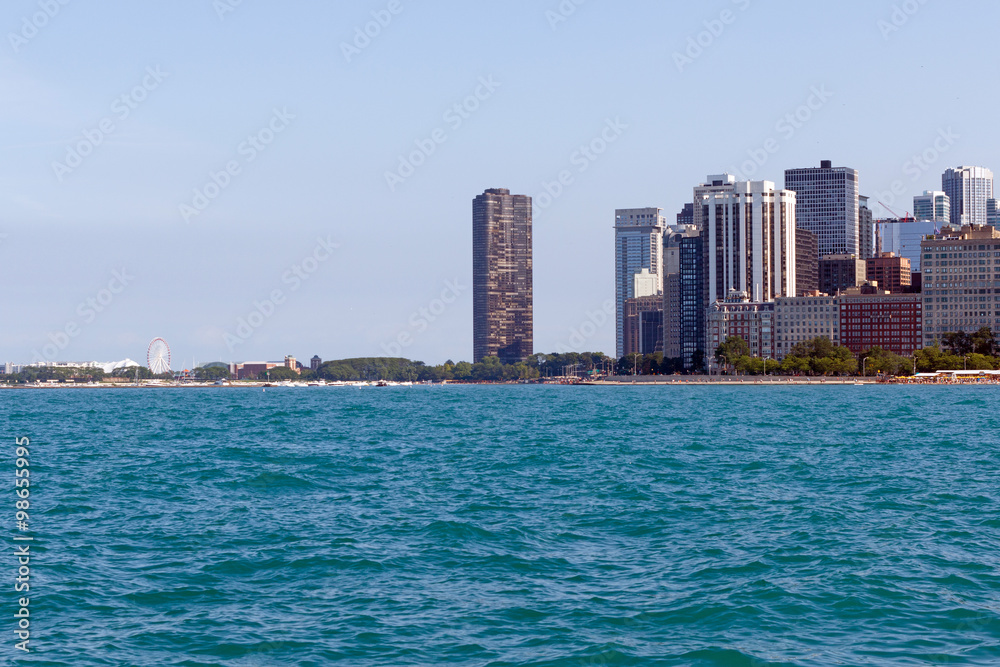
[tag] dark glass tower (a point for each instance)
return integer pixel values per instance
(503, 323)
(827, 204)
(692, 301)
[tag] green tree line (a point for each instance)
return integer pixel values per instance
(370, 369)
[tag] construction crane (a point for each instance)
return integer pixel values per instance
(906, 218)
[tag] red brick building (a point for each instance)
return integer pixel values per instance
(252, 370)
(892, 273)
(893, 322)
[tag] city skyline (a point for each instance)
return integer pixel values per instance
(166, 142)
(498, 215)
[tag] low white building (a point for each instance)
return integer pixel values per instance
(106, 366)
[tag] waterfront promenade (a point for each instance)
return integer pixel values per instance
(729, 380)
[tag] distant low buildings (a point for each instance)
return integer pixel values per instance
(106, 366)
(252, 370)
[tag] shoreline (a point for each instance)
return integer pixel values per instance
(693, 382)
(775, 382)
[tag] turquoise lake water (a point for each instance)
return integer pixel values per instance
(500, 526)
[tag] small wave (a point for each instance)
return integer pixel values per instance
(716, 657)
(272, 480)
(457, 530)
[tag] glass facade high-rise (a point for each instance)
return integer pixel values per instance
(968, 189)
(866, 228)
(932, 206)
(904, 238)
(503, 319)
(684, 296)
(827, 204)
(638, 246)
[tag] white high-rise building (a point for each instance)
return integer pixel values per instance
(749, 241)
(638, 246)
(968, 189)
(714, 183)
(932, 206)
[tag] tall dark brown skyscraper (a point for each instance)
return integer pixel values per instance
(806, 262)
(503, 322)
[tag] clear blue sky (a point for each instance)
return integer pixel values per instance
(323, 175)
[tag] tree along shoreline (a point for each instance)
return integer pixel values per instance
(819, 357)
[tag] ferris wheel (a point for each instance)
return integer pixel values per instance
(158, 357)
